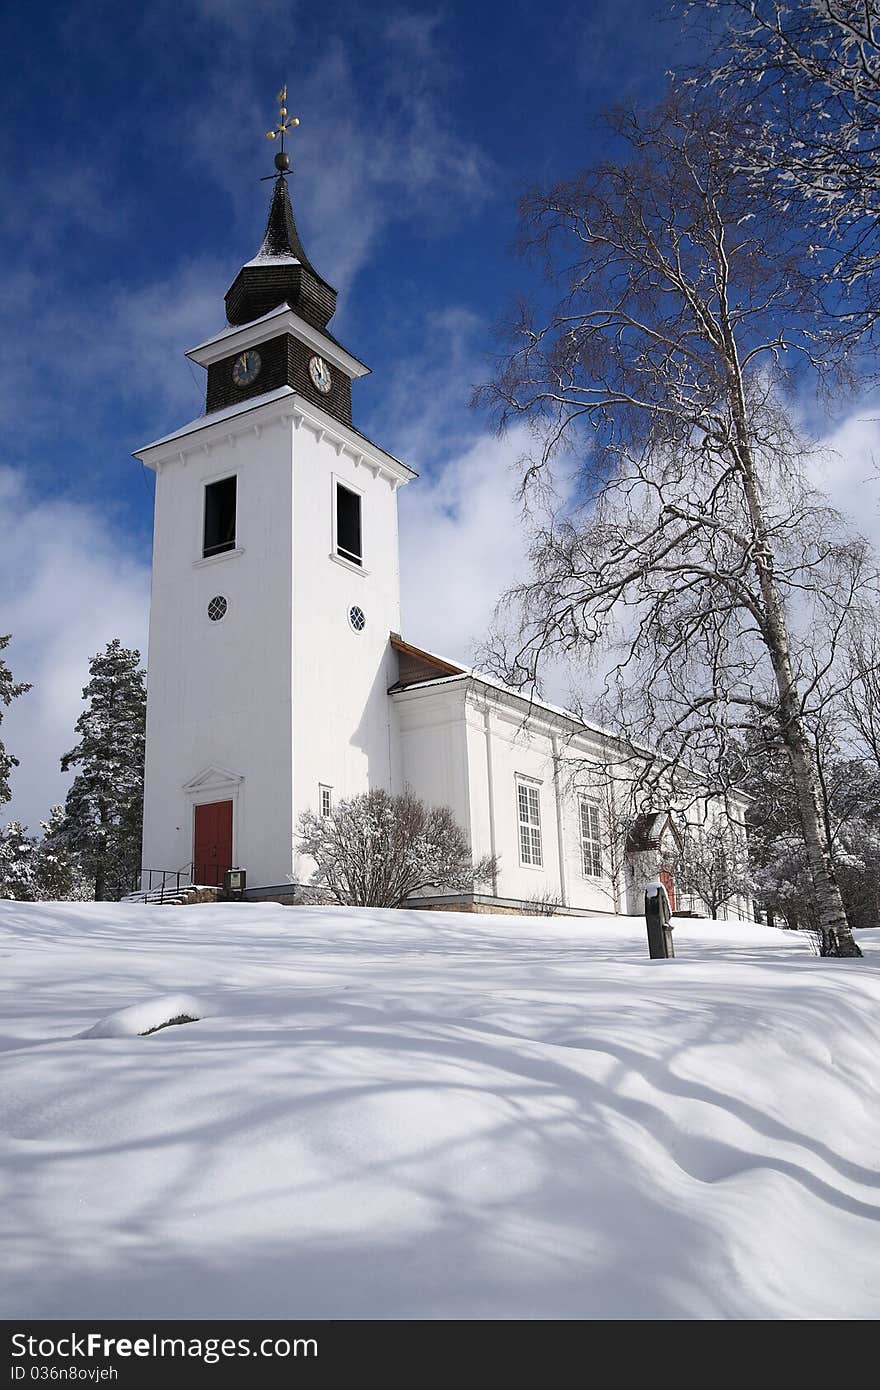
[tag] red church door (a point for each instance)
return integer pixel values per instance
(669, 884)
(212, 843)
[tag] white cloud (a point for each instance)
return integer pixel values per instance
(146, 332)
(68, 587)
(463, 537)
(423, 416)
(462, 544)
(847, 467)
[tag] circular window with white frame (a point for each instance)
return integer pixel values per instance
(357, 619)
(218, 607)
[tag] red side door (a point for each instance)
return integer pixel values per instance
(669, 884)
(212, 843)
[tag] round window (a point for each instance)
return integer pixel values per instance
(217, 608)
(357, 618)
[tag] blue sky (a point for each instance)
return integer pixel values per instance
(133, 141)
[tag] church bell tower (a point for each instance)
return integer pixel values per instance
(275, 581)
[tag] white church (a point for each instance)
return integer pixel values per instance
(278, 677)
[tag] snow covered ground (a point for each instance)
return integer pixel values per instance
(434, 1115)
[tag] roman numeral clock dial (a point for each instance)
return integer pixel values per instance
(246, 368)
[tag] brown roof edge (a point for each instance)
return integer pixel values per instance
(419, 665)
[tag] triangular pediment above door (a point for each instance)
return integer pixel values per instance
(212, 777)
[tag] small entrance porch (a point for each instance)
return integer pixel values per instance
(653, 843)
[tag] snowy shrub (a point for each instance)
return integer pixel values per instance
(40, 870)
(58, 871)
(17, 850)
(377, 850)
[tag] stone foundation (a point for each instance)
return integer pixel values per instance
(201, 895)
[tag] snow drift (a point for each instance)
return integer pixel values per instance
(147, 1017)
(435, 1115)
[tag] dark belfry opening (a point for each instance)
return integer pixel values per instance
(219, 517)
(348, 525)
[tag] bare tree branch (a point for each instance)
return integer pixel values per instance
(702, 560)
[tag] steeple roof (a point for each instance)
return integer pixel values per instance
(282, 237)
(280, 272)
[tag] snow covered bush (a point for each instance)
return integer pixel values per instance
(40, 869)
(58, 871)
(17, 851)
(377, 850)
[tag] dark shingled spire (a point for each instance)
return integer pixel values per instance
(280, 272)
(282, 238)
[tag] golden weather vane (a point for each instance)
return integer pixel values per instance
(282, 126)
(284, 122)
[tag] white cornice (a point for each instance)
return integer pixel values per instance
(282, 406)
(232, 421)
(280, 320)
(511, 705)
(363, 451)
(532, 711)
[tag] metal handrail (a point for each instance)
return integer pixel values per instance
(160, 885)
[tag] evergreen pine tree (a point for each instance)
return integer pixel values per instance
(9, 690)
(58, 873)
(104, 807)
(17, 849)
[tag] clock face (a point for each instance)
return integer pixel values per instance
(320, 374)
(246, 367)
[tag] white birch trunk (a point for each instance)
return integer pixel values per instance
(837, 937)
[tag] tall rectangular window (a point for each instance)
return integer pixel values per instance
(528, 802)
(348, 525)
(219, 517)
(325, 800)
(591, 838)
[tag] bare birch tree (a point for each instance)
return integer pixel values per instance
(699, 548)
(861, 698)
(806, 77)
